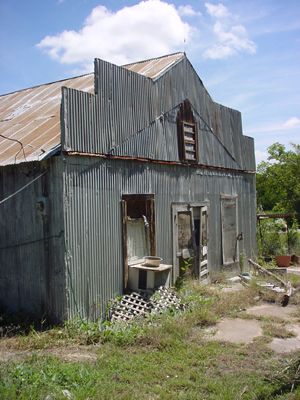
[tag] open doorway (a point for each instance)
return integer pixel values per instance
(138, 221)
(190, 239)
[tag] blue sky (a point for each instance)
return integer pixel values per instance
(247, 53)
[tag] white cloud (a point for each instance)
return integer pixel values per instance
(261, 156)
(217, 10)
(230, 37)
(293, 122)
(147, 29)
(187, 11)
(288, 125)
(218, 52)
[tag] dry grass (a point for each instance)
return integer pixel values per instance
(277, 330)
(231, 304)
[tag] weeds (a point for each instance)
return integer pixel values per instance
(277, 330)
(154, 357)
(287, 377)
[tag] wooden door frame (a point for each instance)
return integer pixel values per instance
(182, 207)
(149, 200)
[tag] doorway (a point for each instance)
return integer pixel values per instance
(190, 239)
(138, 223)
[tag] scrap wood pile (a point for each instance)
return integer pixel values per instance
(281, 286)
(139, 305)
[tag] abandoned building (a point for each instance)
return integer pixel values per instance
(100, 170)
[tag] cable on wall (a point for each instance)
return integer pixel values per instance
(22, 188)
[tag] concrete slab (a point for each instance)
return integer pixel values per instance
(237, 330)
(287, 345)
(273, 310)
(284, 345)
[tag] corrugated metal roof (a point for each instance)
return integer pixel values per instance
(30, 118)
(155, 67)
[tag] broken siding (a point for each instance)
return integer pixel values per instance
(93, 190)
(133, 116)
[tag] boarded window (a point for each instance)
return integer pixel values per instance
(187, 133)
(229, 229)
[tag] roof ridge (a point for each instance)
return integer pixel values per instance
(45, 84)
(90, 73)
(154, 58)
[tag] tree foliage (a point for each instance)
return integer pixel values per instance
(278, 180)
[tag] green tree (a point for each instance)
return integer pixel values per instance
(278, 180)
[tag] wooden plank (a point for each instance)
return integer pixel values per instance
(151, 215)
(204, 272)
(124, 238)
(265, 271)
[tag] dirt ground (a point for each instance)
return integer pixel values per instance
(67, 353)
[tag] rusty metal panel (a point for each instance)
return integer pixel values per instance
(30, 120)
(93, 190)
(155, 67)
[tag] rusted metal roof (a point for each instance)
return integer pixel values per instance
(30, 118)
(155, 67)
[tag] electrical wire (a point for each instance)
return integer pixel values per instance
(212, 132)
(163, 115)
(17, 141)
(22, 188)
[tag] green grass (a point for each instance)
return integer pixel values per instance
(162, 357)
(183, 370)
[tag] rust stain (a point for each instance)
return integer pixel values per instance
(162, 162)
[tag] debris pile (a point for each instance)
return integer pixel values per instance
(282, 287)
(141, 304)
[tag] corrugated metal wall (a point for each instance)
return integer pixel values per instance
(93, 232)
(66, 258)
(32, 278)
(133, 115)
